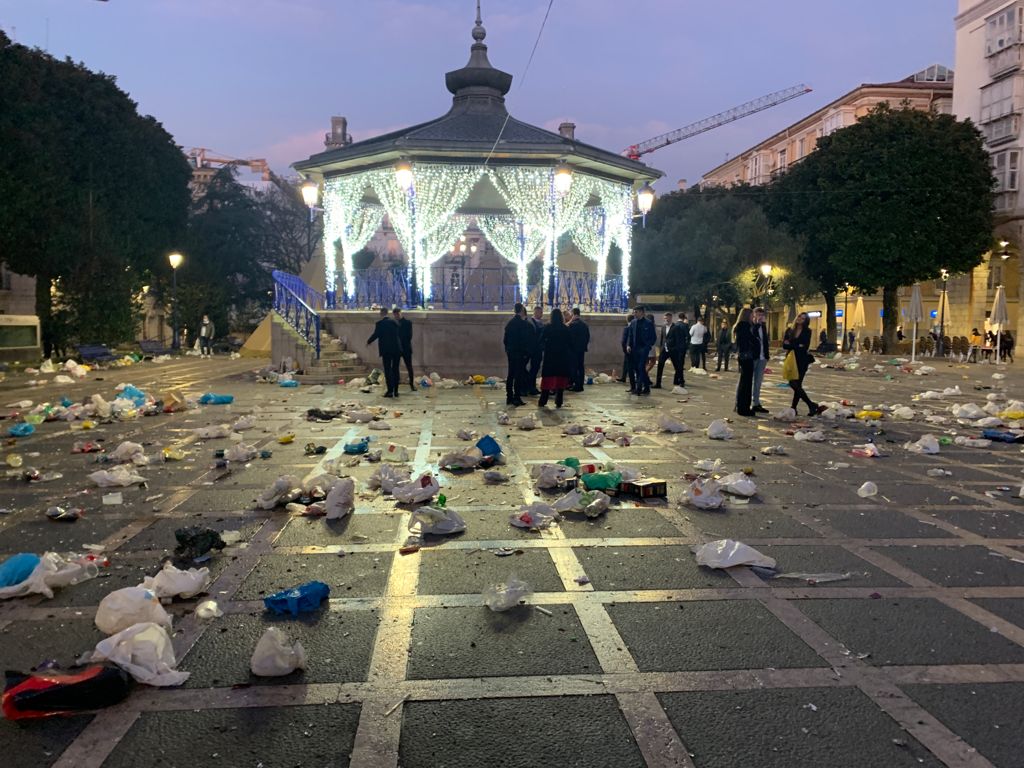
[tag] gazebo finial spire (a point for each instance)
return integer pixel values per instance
(478, 79)
(479, 33)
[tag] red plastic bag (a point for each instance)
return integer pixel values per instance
(53, 693)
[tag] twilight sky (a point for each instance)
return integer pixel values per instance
(261, 78)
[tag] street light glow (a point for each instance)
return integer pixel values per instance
(645, 199)
(175, 259)
(310, 193)
(766, 270)
(563, 178)
(403, 174)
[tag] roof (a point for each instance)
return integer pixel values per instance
(477, 126)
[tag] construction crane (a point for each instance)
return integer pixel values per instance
(201, 158)
(636, 151)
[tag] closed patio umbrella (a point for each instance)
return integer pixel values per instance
(999, 317)
(915, 315)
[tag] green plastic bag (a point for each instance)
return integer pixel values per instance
(601, 481)
(570, 461)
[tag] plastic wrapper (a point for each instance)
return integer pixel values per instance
(244, 423)
(128, 451)
(904, 412)
(241, 453)
(131, 605)
(867, 490)
(570, 502)
(719, 430)
(466, 434)
(726, 553)
(211, 398)
(359, 417)
(52, 692)
(49, 572)
(386, 477)
(533, 516)
(435, 521)
(214, 432)
(703, 493)
(593, 439)
(773, 450)
(573, 429)
(552, 475)
(504, 419)
(458, 460)
(284, 489)
(174, 582)
(596, 503)
(145, 652)
(274, 657)
(340, 500)
(786, 414)
(395, 454)
(422, 488)
(528, 422)
(301, 599)
(378, 426)
(926, 444)
(738, 484)
(809, 436)
(669, 423)
(969, 411)
(208, 609)
(493, 476)
(708, 465)
(601, 481)
(506, 595)
(972, 442)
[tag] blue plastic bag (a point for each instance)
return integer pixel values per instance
(17, 568)
(66, 401)
(133, 393)
(211, 399)
(301, 599)
(289, 383)
(1001, 436)
(488, 446)
(21, 430)
(360, 446)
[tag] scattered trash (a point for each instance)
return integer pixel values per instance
(435, 521)
(573, 429)
(552, 475)
(301, 599)
(926, 444)
(670, 424)
(125, 607)
(593, 439)
(506, 595)
(814, 578)
(112, 499)
(61, 515)
(26, 574)
(214, 432)
(493, 476)
(939, 473)
(423, 488)
(396, 454)
(273, 657)
(21, 430)
(808, 436)
(340, 500)
(456, 461)
(386, 477)
(867, 490)
(904, 412)
(708, 465)
(726, 553)
(535, 516)
(174, 582)
(195, 541)
(208, 609)
(52, 692)
(601, 481)
(241, 453)
(703, 493)
(773, 450)
(866, 451)
(284, 489)
(972, 442)
(528, 422)
(738, 484)
(719, 430)
(213, 399)
(786, 414)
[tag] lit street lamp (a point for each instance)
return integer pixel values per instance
(645, 201)
(942, 314)
(561, 182)
(310, 195)
(175, 259)
(406, 180)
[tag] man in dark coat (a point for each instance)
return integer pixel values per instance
(627, 366)
(537, 321)
(405, 339)
(641, 338)
(519, 341)
(663, 352)
(678, 340)
(385, 333)
(580, 335)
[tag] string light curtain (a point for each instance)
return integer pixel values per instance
(514, 240)
(348, 222)
(438, 244)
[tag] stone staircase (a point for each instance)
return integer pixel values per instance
(335, 362)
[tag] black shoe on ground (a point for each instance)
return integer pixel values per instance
(656, 386)
(815, 409)
(621, 381)
(518, 403)
(388, 394)
(760, 409)
(412, 387)
(746, 413)
(395, 393)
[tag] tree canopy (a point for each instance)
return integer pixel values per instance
(94, 194)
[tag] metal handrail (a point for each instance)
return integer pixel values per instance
(295, 302)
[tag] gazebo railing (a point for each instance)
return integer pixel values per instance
(297, 303)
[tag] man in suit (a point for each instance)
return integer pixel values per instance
(678, 341)
(405, 340)
(385, 333)
(760, 331)
(537, 321)
(519, 343)
(580, 335)
(641, 338)
(663, 353)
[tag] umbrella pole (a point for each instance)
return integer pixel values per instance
(913, 345)
(999, 343)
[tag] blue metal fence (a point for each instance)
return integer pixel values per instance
(297, 303)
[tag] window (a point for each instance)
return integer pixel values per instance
(832, 123)
(1004, 167)
(1002, 129)
(995, 275)
(755, 169)
(782, 160)
(800, 145)
(997, 100)
(1003, 30)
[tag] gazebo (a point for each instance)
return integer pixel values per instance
(523, 187)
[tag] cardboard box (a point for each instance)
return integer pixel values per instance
(650, 487)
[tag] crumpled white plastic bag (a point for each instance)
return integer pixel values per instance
(904, 412)
(593, 439)
(466, 434)
(809, 436)
(273, 657)
(738, 484)
(570, 502)
(508, 594)
(51, 571)
(926, 444)
(535, 515)
(967, 411)
(396, 454)
(726, 553)
(436, 521)
(465, 459)
(719, 430)
(359, 417)
(703, 493)
(596, 503)
(786, 414)
(284, 489)
(132, 605)
(340, 500)
(247, 422)
(551, 475)
(386, 477)
(528, 422)
(174, 582)
(145, 652)
(423, 488)
(128, 451)
(669, 423)
(208, 609)
(120, 476)
(573, 429)
(972, 442)
(241, 452)
(214, 432)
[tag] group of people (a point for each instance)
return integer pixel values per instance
(555, 349)
(991, 341)
(750, 334)
(393, 334)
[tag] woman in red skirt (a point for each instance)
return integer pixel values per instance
(557, 346)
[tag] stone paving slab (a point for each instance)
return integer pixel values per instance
(269, 736)
(749, 522)
(822, 558)
(997, 524)
(1009, 608)
(459, 572)
(650, 567)
(585, 731)
(960, 566)
(361, 574)
(39, 743)
(320, 532)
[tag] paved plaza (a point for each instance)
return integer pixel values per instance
(627, 653)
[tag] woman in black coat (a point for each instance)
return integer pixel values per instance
(746, 353)
(798, 340)
(558, 357)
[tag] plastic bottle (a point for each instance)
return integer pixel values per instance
(14, 460)
(173, 454)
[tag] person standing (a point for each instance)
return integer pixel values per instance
(405, 340)
(627, 366)
(797, 340)
(684, 333)
(723, 346)
(697, 331)
(579, 332)
(746, 349)
(537, 321)
(642, 337)
(761, 350)
(678, 339)
(663, 354)
(558, 359)
(206, 330)
(385, 333)
(518, 346)
(704, 348)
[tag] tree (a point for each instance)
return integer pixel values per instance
(889, 201)
(94, 194)
(289, 231)
(699, 244)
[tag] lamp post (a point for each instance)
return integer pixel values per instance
(942, 314)
(406, 180)
(645, 201)
(175, 259)
(846, 318)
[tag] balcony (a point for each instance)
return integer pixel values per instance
(1005, 61)
(1002, 130)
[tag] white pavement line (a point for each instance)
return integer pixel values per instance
(421, 460)
(963, 673)
(605, 639)
(97, 740)
(333, 452)
(890, 566)
(658, 741)
(379, 734)
(1007, 629)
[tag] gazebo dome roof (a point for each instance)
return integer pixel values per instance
(476, 126)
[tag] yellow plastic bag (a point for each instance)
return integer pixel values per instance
(1008, 415)
(869, 414)
(789, 369)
